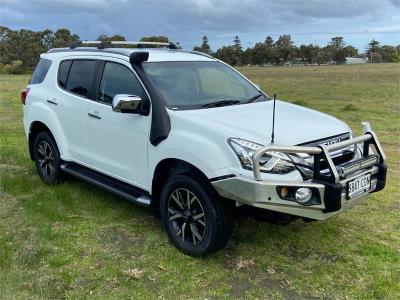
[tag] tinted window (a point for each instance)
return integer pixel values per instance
(40, 71)
(80, 76)
(118, 79)
(63, 73)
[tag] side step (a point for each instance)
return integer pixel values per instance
(108, 183)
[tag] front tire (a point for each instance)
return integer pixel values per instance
(47, 158)
(194, 217)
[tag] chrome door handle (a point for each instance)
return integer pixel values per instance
(52, 101)
(95, 115)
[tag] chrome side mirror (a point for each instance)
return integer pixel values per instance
(127, 104)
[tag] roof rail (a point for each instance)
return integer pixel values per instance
(202, 54)
(108, 44)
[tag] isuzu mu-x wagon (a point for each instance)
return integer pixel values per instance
(188, 135)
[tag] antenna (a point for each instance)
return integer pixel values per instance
(273, 121)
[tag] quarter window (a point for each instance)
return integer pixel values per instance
(80, 77)
(118, 79)
(40, 71)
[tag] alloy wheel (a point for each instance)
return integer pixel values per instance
(186, 215)
(45, 158)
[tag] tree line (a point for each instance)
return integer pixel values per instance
(20, 49)
(284, 51)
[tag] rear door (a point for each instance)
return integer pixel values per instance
(75, 80)
(118, 141)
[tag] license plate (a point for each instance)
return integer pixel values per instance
(358, 186)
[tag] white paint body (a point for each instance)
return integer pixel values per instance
(118, 144)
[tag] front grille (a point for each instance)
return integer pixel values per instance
(342, 158)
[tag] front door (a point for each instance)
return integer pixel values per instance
(118, 141)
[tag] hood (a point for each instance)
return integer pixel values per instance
(293, 124)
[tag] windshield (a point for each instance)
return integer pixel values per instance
(192, 84)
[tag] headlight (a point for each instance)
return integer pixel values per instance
(271, 162)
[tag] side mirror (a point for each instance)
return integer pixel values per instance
(130, 104)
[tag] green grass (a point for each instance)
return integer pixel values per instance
(76, 241)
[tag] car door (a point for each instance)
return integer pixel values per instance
(118, 141)
(75, 79)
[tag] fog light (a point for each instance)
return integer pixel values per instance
(303, 195)
(284, 192)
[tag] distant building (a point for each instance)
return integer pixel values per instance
(356, 60)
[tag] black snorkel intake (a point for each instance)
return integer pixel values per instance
(160, 122)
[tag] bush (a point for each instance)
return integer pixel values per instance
(376, 57)
(2, 69)
(15, 67)
(394, 57)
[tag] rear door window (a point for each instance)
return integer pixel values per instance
(63, 71)
(80, 77)
(40, 71)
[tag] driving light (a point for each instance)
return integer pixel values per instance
(303, 195)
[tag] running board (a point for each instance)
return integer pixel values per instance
(108, 183)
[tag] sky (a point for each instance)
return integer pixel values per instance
(186, 21)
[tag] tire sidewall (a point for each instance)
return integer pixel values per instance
(185, 182)
(54, 178)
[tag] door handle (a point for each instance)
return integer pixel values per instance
(95, 115)
(52, 101)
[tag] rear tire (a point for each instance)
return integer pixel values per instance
(47, 158)
(194, 217)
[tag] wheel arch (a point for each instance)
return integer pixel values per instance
(164, 169)
(34, 129)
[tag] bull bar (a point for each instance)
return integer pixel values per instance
(329, 181)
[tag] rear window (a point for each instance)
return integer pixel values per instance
(80, 77)
(40, 71)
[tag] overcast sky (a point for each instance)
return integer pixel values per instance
(186, 21)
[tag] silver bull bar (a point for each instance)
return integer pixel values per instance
(323, 152)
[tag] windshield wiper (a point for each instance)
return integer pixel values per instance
(252, 99)
(221, 103)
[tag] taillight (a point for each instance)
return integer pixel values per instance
(24, 94)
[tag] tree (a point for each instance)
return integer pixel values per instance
(63, 38)
(227, 54)
(259, 54)
(285, 48)
(269, 42)
(387, 52)
(337, 42)
(350, 51)
(115, 37)
(155, 38)
(21, 45)
(237, 47)
(205, 47)
(373, 46)
(309, 53)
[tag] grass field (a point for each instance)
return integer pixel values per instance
(76, 241)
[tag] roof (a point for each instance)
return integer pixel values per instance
(155, 54)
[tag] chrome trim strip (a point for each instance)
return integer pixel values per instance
(350, 142)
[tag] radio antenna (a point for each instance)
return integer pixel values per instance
(273, 121)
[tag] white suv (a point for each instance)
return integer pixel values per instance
(188, 135)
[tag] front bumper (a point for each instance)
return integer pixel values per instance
(329, 186)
